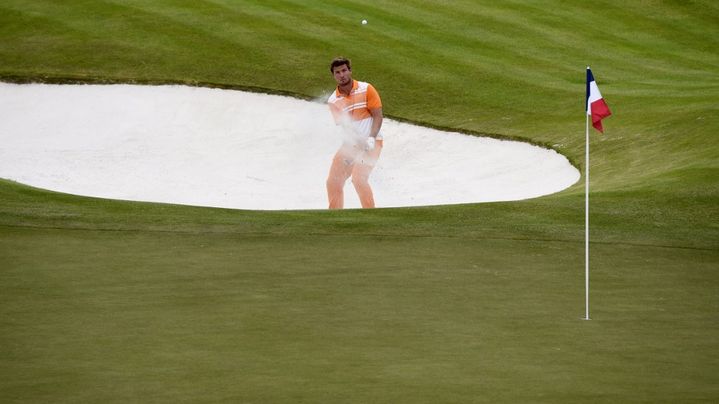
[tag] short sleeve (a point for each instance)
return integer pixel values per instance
(373, 100)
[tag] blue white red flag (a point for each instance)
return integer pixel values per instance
(595, 105)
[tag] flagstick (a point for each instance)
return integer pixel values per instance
(586, 223)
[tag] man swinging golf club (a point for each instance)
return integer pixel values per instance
(356, 106)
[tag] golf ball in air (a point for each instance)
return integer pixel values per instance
(364, 22)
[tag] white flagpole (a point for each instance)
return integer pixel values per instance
(586, 220)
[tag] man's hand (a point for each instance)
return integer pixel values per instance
(370, 143)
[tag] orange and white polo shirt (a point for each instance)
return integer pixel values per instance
(353, 111)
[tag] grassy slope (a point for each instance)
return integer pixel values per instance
(110, 300)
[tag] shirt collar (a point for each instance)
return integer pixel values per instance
(355, 84)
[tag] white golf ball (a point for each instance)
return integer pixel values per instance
(364, 22)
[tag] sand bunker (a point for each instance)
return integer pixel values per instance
(233, 149)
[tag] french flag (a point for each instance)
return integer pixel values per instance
(596, 107)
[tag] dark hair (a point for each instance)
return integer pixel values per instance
(339, 61)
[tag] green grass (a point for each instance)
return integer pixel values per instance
(174, 317)
(117, 301)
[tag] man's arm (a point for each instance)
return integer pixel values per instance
(376, 121)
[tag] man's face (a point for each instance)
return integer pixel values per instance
(343, 75)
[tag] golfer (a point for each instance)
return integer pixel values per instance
(356, 106)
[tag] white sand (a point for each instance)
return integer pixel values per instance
(234, 149)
